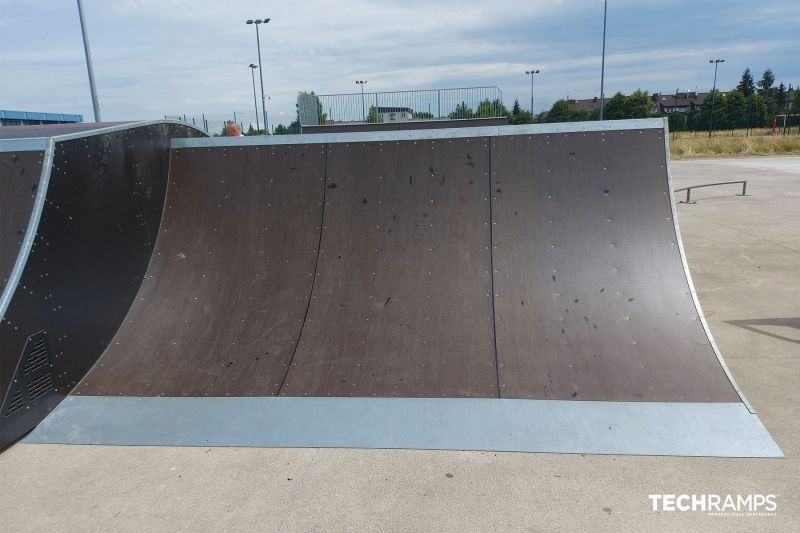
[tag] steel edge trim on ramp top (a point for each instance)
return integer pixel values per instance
(36, 144)
(413, 135)
(480, 424)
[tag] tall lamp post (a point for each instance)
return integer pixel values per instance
(363, 107)
(261, 71)
(255, 99)
(531, 73)
(92, 88)
(603, 64)
(716, 63)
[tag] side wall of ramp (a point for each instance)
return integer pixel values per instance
(102, 195)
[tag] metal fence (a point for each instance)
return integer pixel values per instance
(400, 106)
(214, 123)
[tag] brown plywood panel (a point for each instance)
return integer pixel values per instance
(592, 302)
(225, 294)
(19, 179)
(94, 239)
(402, 301)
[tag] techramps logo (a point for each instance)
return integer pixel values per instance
(749, 505)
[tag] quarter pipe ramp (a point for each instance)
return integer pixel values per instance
(499, 288)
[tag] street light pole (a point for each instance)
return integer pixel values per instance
(531, 73)
(716, 63)
(363, 107)
(261, 71)
(603, 64)
(255, 99)
(92, 88)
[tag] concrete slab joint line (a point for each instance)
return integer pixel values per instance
(376, 290)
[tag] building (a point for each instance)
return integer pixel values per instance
(395, 114)
(681, 102)
(590, 104)
(678, 102)
(30, 118)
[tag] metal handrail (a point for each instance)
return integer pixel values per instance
(689, 189)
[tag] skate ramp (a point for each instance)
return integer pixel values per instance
(515, 288)
(80, 214)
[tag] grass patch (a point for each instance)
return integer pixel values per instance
(688, 145)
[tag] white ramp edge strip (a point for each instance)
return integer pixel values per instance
(555, 426)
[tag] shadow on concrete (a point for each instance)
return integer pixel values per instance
(756, 325)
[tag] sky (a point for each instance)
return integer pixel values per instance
(173, 57)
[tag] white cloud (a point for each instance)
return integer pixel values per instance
(156, 57)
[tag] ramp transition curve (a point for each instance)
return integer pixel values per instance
(516, 288)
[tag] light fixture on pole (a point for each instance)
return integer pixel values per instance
(92, 88)
(716, 63)
(363, 107)
(255, 99)
(261, 71)
(603, 64)
(531, 73)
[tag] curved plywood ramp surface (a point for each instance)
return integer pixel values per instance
(223, 301)
(516, 288)
(88, 238)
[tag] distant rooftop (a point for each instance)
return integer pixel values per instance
(25, 118)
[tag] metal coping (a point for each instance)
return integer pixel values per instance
(30, 232)
(695, 299)
(103, 131)
(36, 144)
(48, 145)
(555, 426)
(416, 135)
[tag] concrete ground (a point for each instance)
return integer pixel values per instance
(744, 254)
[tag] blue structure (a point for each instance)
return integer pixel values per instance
(28, 118)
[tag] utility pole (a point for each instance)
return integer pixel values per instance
(255, 99)
(716, 63)
(257, 22)
(603, 64)
(90, 70)
(531, 73)
(363, 107)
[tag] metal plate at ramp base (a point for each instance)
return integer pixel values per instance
(638, 428)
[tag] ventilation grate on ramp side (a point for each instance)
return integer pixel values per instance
(33, 379)
(15, 402)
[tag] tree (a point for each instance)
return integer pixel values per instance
(462, 110)
(677, 121)
(734, 111)
(746, 84)
(280, 129)
(519, 116)
(781, 98)
(638, 105)
(491, 108)
(765, 83)
(715, 100)
(523, 117)
(796, 103)
(422, 115)
(560, 112)
(253, 131)
(757, 112)
(373, 117)
(615, 107)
